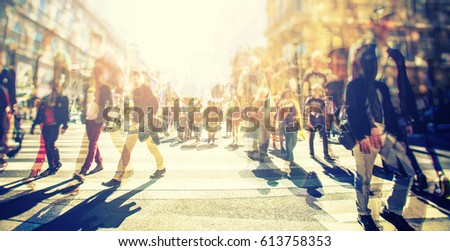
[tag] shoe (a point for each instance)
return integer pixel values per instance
(158, 174)
(49, 171)
(112, 183)
(397, 220)
(58, 166)
(97, 169)
(34, 173)
(329, 158)
(264, 157)
(366, 221)
(422, 182)
(332, 155)
(3, 164)
(80, 176)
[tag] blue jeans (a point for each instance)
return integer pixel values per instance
(291, 142)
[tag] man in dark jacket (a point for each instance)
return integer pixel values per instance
(373, 120)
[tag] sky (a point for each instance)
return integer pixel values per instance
(193, 39)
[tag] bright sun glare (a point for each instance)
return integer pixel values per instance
(193, 40)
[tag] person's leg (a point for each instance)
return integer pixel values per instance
(323, 134)
(130, 142)
(156, 153)
(233, 131)
(97, 130)
(281, 135)
(92, 146)
(264, 142)
(397, 157)
(229, 127)
(53, 137)
(312, 135)
(40, 157)
(274, 140)
(47, 143)
(364, 170)
(237, 130)
(287, 142)
(3, 139)
(291, 141)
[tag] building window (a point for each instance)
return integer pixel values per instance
(37, 42)
(17, 34)
(42, 4)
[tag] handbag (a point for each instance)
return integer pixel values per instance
(145, 134)
(346, 137)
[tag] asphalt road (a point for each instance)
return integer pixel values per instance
(206, 187)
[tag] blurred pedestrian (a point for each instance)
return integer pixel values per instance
(94, 121)
(289, 117)
(144, 100)
(53, 112)
(316, 110)
(6, 112)
(198, 121)
(373, 122)
(235, 119)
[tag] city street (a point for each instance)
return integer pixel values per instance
(206, 187)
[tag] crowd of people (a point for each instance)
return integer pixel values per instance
(381, 110)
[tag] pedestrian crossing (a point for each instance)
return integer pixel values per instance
(207, 180)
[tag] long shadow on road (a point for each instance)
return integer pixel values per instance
(297, 175)
(307, 185)
(336, 171)
(94, 212)
(19, 205)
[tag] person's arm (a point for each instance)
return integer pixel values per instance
(356, 113)
(406, 94)
(65, 112)
(38, 118)
(308, 113)
(299, 114)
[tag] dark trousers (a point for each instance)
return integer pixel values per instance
(323, 134)
(50, 134)
(93, 131)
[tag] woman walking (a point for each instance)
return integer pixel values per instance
(289, 117)
(94, 122)
(52, 113)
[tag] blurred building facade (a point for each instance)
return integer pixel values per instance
(55, 39)
(298, 27)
